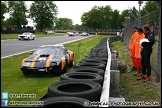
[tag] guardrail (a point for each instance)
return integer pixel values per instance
(106, 84)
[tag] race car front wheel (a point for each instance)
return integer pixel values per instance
(71, 64)
(64, 70)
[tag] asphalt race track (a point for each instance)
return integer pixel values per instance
(13, 47)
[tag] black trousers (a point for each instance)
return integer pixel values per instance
(117, 38)
(145, 62)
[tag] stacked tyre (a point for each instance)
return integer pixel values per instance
(83, 84)
(95, 61)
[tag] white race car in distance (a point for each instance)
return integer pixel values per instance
(26, 36)
(84, 34)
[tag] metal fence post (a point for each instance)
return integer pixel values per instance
(158, 73)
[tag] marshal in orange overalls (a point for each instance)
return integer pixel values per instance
(132, 45)
(138, 49)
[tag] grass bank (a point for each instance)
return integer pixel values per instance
(134, 90)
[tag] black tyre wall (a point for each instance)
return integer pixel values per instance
(92, 65)
(82, 76)
(90, 70)
(83, 89)
(64, 101)
(96, 58)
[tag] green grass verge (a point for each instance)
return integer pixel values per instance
(14, 82)
(130, 88)
(38, 35)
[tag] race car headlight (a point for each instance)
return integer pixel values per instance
(26, 64)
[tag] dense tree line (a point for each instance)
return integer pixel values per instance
(44, 15)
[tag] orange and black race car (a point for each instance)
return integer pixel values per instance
(48, 60)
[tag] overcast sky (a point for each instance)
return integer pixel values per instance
(74, 9)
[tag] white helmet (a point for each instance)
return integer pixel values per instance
(143, 40)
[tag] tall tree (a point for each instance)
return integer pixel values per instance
(86, 20)
(17, 11)
(64, 23)
(123, 15)
(115, 19)
(77, 26)
(3, 9)
(9, 21)
(43, 14)
(106, 16)
(148, 7)
(92, 19)
(97, 17)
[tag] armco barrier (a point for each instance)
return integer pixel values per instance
(106, 84)
(110, 90)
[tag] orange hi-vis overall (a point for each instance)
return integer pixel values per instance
(132, 47)
(138, 49)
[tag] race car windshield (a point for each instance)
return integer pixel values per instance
(55, 51)
(25, 33)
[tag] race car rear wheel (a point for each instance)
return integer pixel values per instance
(64, 70)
